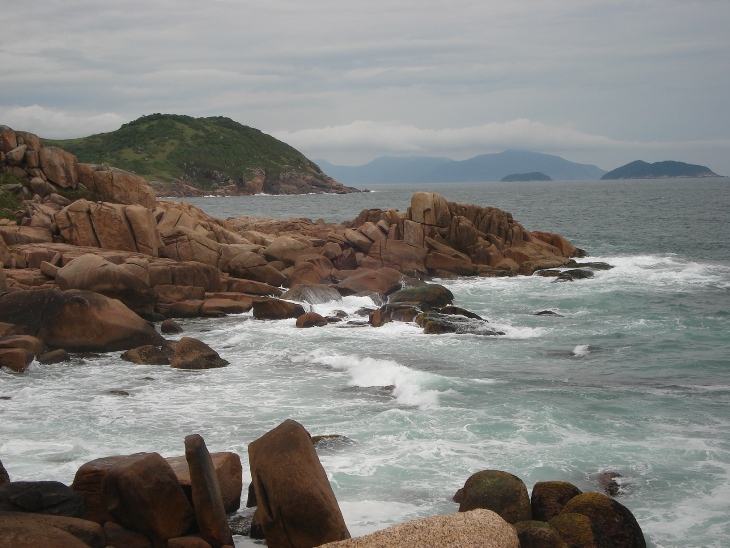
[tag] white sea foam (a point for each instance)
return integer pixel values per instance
(581, 351)
(410, 386)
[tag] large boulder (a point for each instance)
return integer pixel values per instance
(296, 505)
(92, 534)
(77, 320)
(429, 208)
(29, 536)
(578, 531)
(143, 494)
(610, 517)
(88, 483)
(425, 297)
(94, 273)
(41, 497)
(228, 472)
(498, 491)
(116, 185)
(383, 281)
(538, 534)
(477, 528)
(59, 166)
(276, 309)
(191, 353)
(549, 498)
(206, 493)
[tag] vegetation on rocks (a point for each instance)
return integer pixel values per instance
(204, 152)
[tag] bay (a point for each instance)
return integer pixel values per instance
(633, 376)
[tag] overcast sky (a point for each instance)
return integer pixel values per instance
(595, 81)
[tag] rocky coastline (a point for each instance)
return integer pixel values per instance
(113, 274)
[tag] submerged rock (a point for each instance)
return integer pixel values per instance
(424, 297)
(191, 353)
(436, 323)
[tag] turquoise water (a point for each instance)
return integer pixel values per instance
(634, 377)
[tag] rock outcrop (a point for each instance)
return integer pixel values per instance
(296, 505)
(25, 155)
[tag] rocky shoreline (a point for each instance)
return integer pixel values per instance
(113, 274)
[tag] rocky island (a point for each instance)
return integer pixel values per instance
(112, 268)
(522, 177)
(658, 170)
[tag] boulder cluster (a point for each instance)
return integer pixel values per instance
(147, 501)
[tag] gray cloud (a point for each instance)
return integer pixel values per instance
(609, 80)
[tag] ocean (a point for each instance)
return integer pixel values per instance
(632, 377)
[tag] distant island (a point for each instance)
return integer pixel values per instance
(658, 170)
(522, 177)
(185, 156)
(485, 167)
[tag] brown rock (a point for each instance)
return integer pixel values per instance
(578, 531)
(4, 477)
(59, 166)
(88, 483)
(169, 326)
(366, 280)
(474, 529)
(312, 294)
(15, 359)
(400, 256)
(207, 500)
(119, 536)
(610, 517)
(19, 235)
(146, 355)
(311, 319)
(549, 498)
(28, 536)
(228, 471)
(187, 542)
(439, 261)
(498, 491)
(285, 249)
(191, 353)
(143, 494)
(252, 287)
(276, 309)
(41, 497)
(54, 356)
(431, 209)
(307, 273)
(90, 533)
(77, 320)
(295, 500)
(94, 273)
(218, 306)
(8, 140)
(538, 534)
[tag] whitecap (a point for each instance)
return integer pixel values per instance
(581, 351)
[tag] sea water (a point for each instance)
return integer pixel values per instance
(631, 377)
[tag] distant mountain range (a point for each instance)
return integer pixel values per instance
(659, 170)
(485, 167)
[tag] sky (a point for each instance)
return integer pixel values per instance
(603, 82)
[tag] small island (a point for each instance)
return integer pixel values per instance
(658, 170)
(522, 177)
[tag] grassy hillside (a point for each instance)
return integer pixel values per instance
(201, 151)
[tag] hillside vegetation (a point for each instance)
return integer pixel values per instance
(204, 152)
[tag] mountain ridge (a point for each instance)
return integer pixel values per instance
(481, 168)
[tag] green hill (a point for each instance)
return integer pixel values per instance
(658, 170)
(204, 152)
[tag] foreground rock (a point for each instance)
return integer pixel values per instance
(474, 529)
(550, 497)
(191, 353)
(498, 491)
(41, 497)
(210, 514)
(77, 320)
(143, 494)
(610, 517)
(296, 505)
(228, 471)
(88, 532)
